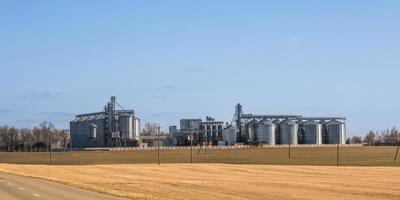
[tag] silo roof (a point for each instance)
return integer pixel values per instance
(335, 122)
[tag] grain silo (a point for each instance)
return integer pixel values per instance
(229, 135)
(126, 125)
(250, 127)
(288, 132)
(242, 135)
(265, 132)
(87, 130)
(311, 132)
(335, 132)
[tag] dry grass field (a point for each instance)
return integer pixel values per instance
(324, 156)
(223, 181)
(255, 173)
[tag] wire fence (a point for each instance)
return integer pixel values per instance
(321, 155)
(153, 148)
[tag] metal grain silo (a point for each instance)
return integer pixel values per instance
(288, 132)
(136, 128)
(251, 131)
(265, 132)
(100, 129)
(229, 135)
(125, 126)
(242, 137)
(80, 134)
(311, 132)
(335, 132)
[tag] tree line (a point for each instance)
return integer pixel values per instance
(39, 138)
(388, 137)
(151, 128)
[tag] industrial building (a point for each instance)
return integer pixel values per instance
(199, 132)
(260, 129)
(284, 129)
(108, 128)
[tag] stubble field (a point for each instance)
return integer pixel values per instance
(255, 173)
(223, 181)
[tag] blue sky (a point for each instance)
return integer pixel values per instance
(173, 59)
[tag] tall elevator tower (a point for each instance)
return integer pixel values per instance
(110, 121)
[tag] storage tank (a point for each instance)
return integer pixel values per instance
(251, 131)
(136, 128)
(265, 132)
(288, 132)
(335, 132)
(242, 137)
(93, 131)
(125, 126)
(229, 135)
(311, 132)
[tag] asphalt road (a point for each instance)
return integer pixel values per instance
(22, 188)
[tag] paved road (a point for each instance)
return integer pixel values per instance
(22, 188)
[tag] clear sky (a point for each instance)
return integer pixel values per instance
(187, 59)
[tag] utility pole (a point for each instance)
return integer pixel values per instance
(49, 135)
(397, 151)
(158, 142)
(290, 142)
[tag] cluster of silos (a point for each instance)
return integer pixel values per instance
(323, 132)
(272, 131)
(294, 131)
(88, 130)
(129, 126)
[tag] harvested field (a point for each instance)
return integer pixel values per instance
(321, 156)
(223, 181)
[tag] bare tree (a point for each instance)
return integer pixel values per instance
(378, 139)
(150, 129)
(356, 140)
(37, 137)
(60, 136)
(46, 131)
(370, 138)
(384, 137)
(9, 136)
(391, 137)
(26, 138)
(14, 133)
(64, 137)
(41, 135)
(5, 137)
